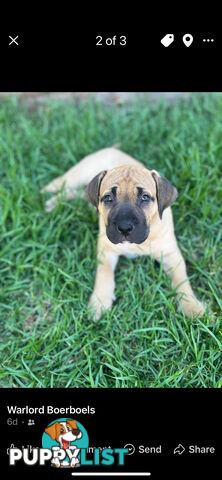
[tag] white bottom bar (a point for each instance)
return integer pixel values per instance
(112, 474)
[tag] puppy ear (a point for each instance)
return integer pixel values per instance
(166, 193)
(92, 190)
(51, 431)
(75, 428)
(72, 423)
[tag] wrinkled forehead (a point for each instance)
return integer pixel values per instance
(127, 180)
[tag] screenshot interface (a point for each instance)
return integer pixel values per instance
(110, 250)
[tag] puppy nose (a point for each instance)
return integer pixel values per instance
(125, 227)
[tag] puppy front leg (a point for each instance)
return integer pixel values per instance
(174, 266)
(103, 292)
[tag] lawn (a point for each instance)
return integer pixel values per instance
(47, 260)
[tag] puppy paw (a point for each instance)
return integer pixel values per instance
(74, 462)
(98, 305)
(192, 307)
(51, 204)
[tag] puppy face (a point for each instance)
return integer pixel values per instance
(128, 198)
(64, 432)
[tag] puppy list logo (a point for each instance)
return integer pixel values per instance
(65, 438)
(65, 443)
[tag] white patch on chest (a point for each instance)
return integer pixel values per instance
(129, 250)
(131, 255)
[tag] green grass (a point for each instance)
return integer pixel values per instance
(47, 261)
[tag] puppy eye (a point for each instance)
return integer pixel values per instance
(107, 198)
(62, 430)
(145, 197)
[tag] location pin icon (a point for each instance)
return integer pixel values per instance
(187, 39)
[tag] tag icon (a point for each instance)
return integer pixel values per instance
(167, 40)
(187, 39)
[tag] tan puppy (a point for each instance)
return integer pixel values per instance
(135, 218)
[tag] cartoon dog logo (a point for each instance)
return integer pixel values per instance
(65, 433)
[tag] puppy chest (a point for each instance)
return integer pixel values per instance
(130, 250)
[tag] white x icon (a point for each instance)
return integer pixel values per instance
(13, 40)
